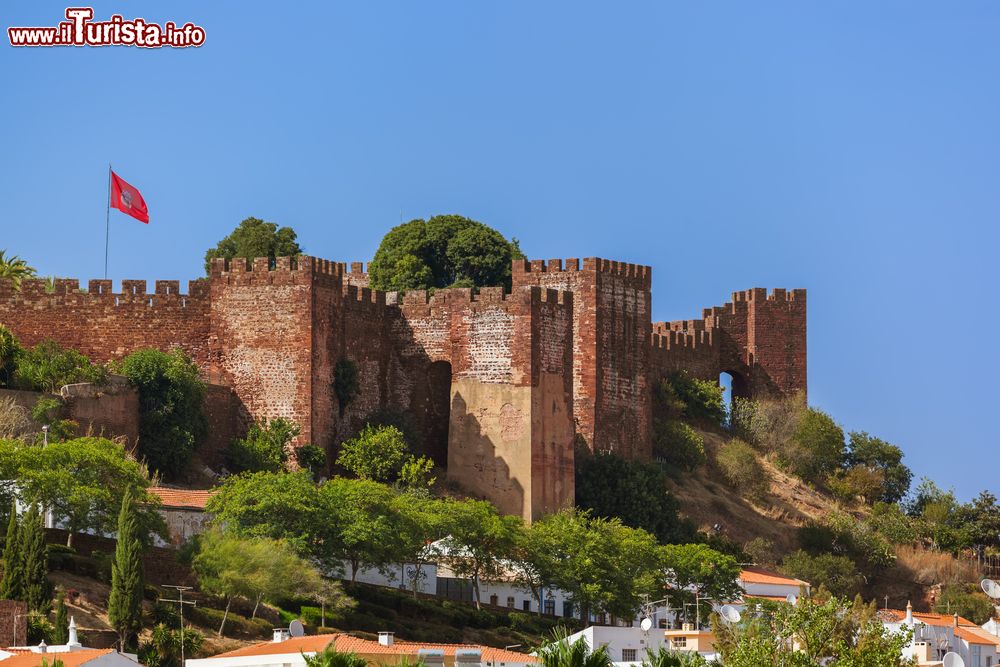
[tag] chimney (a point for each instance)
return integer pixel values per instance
(280, 634)
(43, 647)
(909, 614)
(956, 619)
(74, 641)
(386, 638)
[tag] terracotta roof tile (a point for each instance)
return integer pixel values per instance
(347, 643)
(758, 575)
(927, 618)
(181, 498)
(69, 659)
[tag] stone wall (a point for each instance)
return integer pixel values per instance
(13, 623)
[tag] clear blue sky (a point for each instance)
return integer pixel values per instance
(851, 148)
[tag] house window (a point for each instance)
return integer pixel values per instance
(680, 642)
(977, 654)
(567, 609)
(526, 605)
(628, 655)
(550, 607)
(510, 601)
(493, 600)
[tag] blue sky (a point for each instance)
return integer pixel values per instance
(850, 147)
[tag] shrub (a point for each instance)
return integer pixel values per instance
(816, 448)
(856, 482)
(312, 458)
(14, 420)
(48, 411)
(747, 421)
(171, 421)
(738, 463)
(10, 350)
(678, 445)
(877, 454)
(265, 447)
(838, 574)
(760, 550)
(702, 400)
(47, 366)
(892, 523)
(967, 601)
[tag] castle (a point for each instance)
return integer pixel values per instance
(499, 386)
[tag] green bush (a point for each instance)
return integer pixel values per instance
(46, 367)
(703, 400)
(171, 419)
(857, 482)
(739, 465)
(678, 445)
(967, 601)
(265, 447)
(838, 574)
(816, 448)
(747, 421)
(10, 350)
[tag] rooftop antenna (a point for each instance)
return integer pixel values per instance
(180, 605)
(729, 614)
(296, 629)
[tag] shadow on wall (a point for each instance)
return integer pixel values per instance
(473, 463)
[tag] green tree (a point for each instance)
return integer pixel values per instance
(700, 568)
(171, 418)
(37, 591)
(677, 444)
(255, 238)
(277, 505)
(359, 516)
(331, 657)
(127, 581)
(14, 270)
(48, 366)
(981, 518)
(838, 574)
(258, 570)
(60, 627)
(311, 458)
(419, 521)
(560, 652)
(48, 411)
(681, 395)
(265, 446)
(12, 585)
(163, 649)
(381, 454)
(941, 517)
(608, 485)
(10, 350)
(479, 543)
(967, 601)
(816, 448)
(444, 251)
(82, 482)
(880, 456)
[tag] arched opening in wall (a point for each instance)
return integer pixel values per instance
(733, 385)
(438, 411)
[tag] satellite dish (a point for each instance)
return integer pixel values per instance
(645, 624)
(991, 588)
(730, 614)
(952, 659)
(296, 629)
(791, 599)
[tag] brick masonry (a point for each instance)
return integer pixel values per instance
(497, 386)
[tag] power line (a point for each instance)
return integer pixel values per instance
(180, 605)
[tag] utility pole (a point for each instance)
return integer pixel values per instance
(180, 605)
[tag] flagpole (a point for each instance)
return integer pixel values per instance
(107, 224)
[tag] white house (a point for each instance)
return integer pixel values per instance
(934, 635)
(292, 651)
(625, 645)
(70, 654)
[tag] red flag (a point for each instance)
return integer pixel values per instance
(127, 199)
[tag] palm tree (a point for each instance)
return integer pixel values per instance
(14, 269)
(560, 652)
(662, 657)
(331, 657)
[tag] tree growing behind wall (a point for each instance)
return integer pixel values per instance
(444, 251)
(48, 366)
(14, 270)
(381, 454)
(265, 446)
(171, 418)
(255, 238)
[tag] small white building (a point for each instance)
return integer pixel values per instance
(70, 654)
(626, 646)
(934, 635)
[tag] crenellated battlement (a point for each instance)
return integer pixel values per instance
(761, 294)
(465, 295)
(695, 338)
(67, 290)
(637, 273)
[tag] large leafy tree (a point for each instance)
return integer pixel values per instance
(444, 251)
(14, 269)
(701, 569)
(171, 419)
(359, 517)
(255, 238)
(480, 541)
(610, 486)
(419, 520)
(255, 569)
(381, 454)
(880, 456)
(82, 482)
(817, 447)
(125, 601)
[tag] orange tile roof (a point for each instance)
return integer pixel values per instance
(348, 644)
(758, 575)
(69, 659)
(927, 618)
(975, 635)
(181, 498)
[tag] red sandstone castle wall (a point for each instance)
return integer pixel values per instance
(107, 325)
(611, 329)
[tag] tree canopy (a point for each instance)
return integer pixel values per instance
(444, 251)
(255, 238)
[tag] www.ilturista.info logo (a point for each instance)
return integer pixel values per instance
(80, 30)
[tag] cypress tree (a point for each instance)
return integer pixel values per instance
(60, 633)
(125, 603)
(12, 585)
(37, 593)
